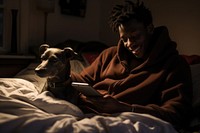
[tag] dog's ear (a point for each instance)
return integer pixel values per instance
(69, 53)
(43, 48)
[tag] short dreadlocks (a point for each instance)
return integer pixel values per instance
(130, 10)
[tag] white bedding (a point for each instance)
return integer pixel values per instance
(23, 109)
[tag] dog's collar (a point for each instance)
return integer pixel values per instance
(58, 84)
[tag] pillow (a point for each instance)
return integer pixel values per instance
(89, 57)
(192, 59)
(195, 71)
(29, 74)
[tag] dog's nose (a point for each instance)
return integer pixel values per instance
(40, 70)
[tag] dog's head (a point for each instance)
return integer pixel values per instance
(54, 61)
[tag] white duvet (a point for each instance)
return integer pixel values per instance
(24, 110)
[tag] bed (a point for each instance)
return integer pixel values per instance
(24, 107)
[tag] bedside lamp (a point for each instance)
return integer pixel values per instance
(47, 6)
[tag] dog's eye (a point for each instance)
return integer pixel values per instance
(53, 59)
(43, 58)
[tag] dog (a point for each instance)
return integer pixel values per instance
(55, 66)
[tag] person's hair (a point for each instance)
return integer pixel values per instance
(120, 14)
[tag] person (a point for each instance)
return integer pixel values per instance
(144, 73)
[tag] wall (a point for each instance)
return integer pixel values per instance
(106, 34)
(62, 27)
(182, 17)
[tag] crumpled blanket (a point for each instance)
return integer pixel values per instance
(24, 110)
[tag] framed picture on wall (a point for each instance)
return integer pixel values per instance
(73, 7)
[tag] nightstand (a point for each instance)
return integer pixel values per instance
(10, 65)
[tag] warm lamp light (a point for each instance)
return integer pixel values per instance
(47, 6)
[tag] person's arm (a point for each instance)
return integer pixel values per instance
(174, 105)
(92, 73)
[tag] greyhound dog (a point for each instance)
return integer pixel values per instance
(55, 66)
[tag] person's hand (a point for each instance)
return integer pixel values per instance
(107, 104)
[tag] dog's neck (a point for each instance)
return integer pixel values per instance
(58, 82)
(62, 75)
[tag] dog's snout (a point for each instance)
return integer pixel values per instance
(40, 70)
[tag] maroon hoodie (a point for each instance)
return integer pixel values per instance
(161, 85)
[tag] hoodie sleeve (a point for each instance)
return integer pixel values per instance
(93, 73)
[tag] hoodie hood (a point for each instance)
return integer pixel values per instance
(160, 46)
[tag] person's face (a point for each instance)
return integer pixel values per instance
(135, 37)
